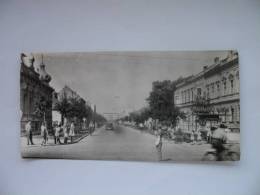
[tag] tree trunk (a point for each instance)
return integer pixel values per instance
(44, 120)
(62, 119)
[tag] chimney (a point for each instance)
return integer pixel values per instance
(216, 60)
(205, 68)
(230, 55)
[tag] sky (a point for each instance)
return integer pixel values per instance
(121, 81)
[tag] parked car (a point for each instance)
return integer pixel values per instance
(109, 126)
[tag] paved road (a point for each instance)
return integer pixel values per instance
(123, 143)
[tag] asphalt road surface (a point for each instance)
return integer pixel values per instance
(122, 143)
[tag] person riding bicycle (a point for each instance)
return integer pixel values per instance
(218, 139)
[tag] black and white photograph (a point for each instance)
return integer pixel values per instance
(137, 106)
(130, 97)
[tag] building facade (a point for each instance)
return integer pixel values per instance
(34, 90)
(219, 85)
(65, 93)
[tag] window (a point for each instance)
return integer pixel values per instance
(208, 91)
(225, 86)
(55, 95)
(232, 115)
(198, 91)
(177, 99)
(212, 90)
(188, 95)
(218, 87)
(232, 85)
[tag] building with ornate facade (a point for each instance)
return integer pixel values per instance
(34, 90)
(219, 85)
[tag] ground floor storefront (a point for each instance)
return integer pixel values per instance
(226, 113)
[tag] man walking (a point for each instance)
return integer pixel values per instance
(28, 129)
(158, 144)
(57, 134)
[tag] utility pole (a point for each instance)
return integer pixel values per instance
(94, 116)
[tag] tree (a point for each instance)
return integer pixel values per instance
(99, 118)
(63, 107)
(78, 109)
(41, 107)
(140, 116)
(161, 101)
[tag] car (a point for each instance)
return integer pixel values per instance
(109, 126)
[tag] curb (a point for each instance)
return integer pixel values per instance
(81, 137)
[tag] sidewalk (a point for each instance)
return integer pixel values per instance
(37, 140)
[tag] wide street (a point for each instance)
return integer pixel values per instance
(122, 143)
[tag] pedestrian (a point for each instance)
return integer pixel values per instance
(209, 134)
(158, 144)
(29, 135)
(44, 134)
(199, 137)
(65, 132)
(92, 127)
(57, 134)
(72, 132)
(218, 139)
(54, 132)
(192, 137)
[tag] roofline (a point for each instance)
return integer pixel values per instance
(193, 78)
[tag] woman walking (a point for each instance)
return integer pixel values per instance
(199, 137)
(72, 132)
(192, 137)
(158, 144)
(44, 134)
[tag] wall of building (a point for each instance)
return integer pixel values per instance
(32, 90)
(220, 85)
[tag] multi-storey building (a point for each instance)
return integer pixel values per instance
(219, 85)
(65, 93)
(34, 89)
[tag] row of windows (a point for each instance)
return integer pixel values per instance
(213, 90)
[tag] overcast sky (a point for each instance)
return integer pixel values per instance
(118, 81)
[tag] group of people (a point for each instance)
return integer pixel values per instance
(68, 132)
(195, 137)
(217, 138)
